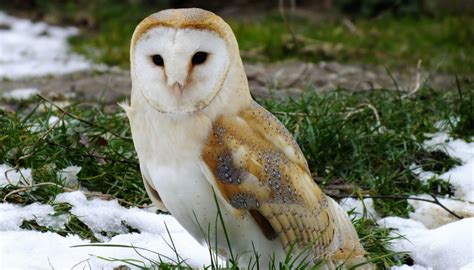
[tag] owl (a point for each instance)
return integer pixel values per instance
(222, 165)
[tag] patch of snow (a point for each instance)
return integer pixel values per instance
(456, 148)
(69, 175)
(36, 49)
(422, 175)
(468, 266)
(52, 120)
(460, 177)
(411, 267)
(13, 215)
(9, 175)
(446, 125)
(100, 215)
(432, 215)
(36, 250)
(462, 180)
(20, 93)
(360, 207)
(450, 246)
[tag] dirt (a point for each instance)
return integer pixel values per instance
(278, 80)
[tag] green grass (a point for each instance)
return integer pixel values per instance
(338, 132)
(444, 43)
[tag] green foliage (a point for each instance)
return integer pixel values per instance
(74, 226)
(444, 43)
(465, 110)
(376, 241)
(88, 137)
(368, 140)
(343, 141)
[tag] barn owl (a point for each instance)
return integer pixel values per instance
(205, 145)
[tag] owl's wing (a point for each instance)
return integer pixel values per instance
(258, 167)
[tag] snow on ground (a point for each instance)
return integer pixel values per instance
(433, 216)
(448, 247)
(69, 175)
(360, 208)
(461, 177)
(30, 49)
(9, 175)
(36, 250)
(21, 93)
(434, 238)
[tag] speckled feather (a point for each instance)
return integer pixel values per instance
(258, 167)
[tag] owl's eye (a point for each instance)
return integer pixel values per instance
(199, 58)
(158, 60)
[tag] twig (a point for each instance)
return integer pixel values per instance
(9, 170)
(351, 26)
(436, 201)
(290, 113)
(82, 119)
(360, 108)
(393, 197)
(417, 84)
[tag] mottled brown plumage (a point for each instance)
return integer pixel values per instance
(258, 167)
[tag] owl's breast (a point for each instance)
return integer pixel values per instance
(170, 156)
(184, 191)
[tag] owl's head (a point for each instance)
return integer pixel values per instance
(180, 59)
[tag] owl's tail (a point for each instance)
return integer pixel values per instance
(349, 249)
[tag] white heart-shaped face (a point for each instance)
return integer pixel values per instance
(164, 71)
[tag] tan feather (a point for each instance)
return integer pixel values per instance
(257, 166)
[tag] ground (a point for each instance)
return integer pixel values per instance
(393, 144)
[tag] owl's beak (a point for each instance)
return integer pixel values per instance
(178, 88)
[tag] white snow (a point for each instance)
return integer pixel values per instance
(460, 177)
(13, 215)
(412, 267)
(21, 93)
(448, 247)
(35, 250)
(360, 207)
(468, 266)
(434, 238)
(69, 175)
(30, 49)
(9, 175)
(432, 215)
(422, 175)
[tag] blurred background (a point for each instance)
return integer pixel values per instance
(393, 33)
